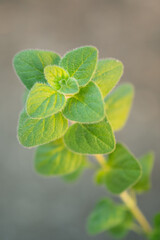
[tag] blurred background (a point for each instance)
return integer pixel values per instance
(33, 207)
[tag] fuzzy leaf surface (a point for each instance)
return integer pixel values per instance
(29, 65)
(104, 216)
(118, 104)
(107, 74)
(146, 163)
(86, 107)
(95, 138)
(55, 159)
(43, 101)
(33, 132)
(54, 75)
(69, 87)
(122, 170)
(80, 63)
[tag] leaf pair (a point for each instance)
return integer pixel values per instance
(79, 63)
(109, 216)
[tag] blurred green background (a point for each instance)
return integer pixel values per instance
(33, 207)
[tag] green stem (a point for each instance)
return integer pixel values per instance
(130, 203)
(125, 197)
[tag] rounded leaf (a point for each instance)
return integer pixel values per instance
(122, 170)
(104, 216)
(107, 74)
(43, 101)
(86, 107)
(95, 138)
(55, 159)
(80, 63)
(118, 105)
(29, 65)
(33, 132)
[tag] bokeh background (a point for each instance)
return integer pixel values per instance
(33, 207)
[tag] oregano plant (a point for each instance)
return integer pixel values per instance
(72, 109)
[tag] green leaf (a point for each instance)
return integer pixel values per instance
(123, 228)
(95, 138)
(80, 63)
(33, 132)
(122, 170)
(146, 163)
(71, 177)
(54, 75)
(43, 101)
(118, 104)
(155, 235)
(107, 74)
(29, 65)
(59, 79)
(86, 106)
(104, 216)
(69, 87)
(55, 159)
(157, 221)
(100, 176)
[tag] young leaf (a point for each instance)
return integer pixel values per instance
(55, 159)
(54, 74)
(122, 170)
(118, 104)
(80, 63)
(107, 74)
(104, 216)
(146, 163)
(69, 87)
(95, 138)
(33, 132)
(29, 65)
(43, 101)
(86, 106)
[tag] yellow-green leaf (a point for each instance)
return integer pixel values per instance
(33, 132)
(54, 74)
(80, 63)
(55, 159)
(29, 65)
(107, 74)
(118, 104)
(43, 101)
